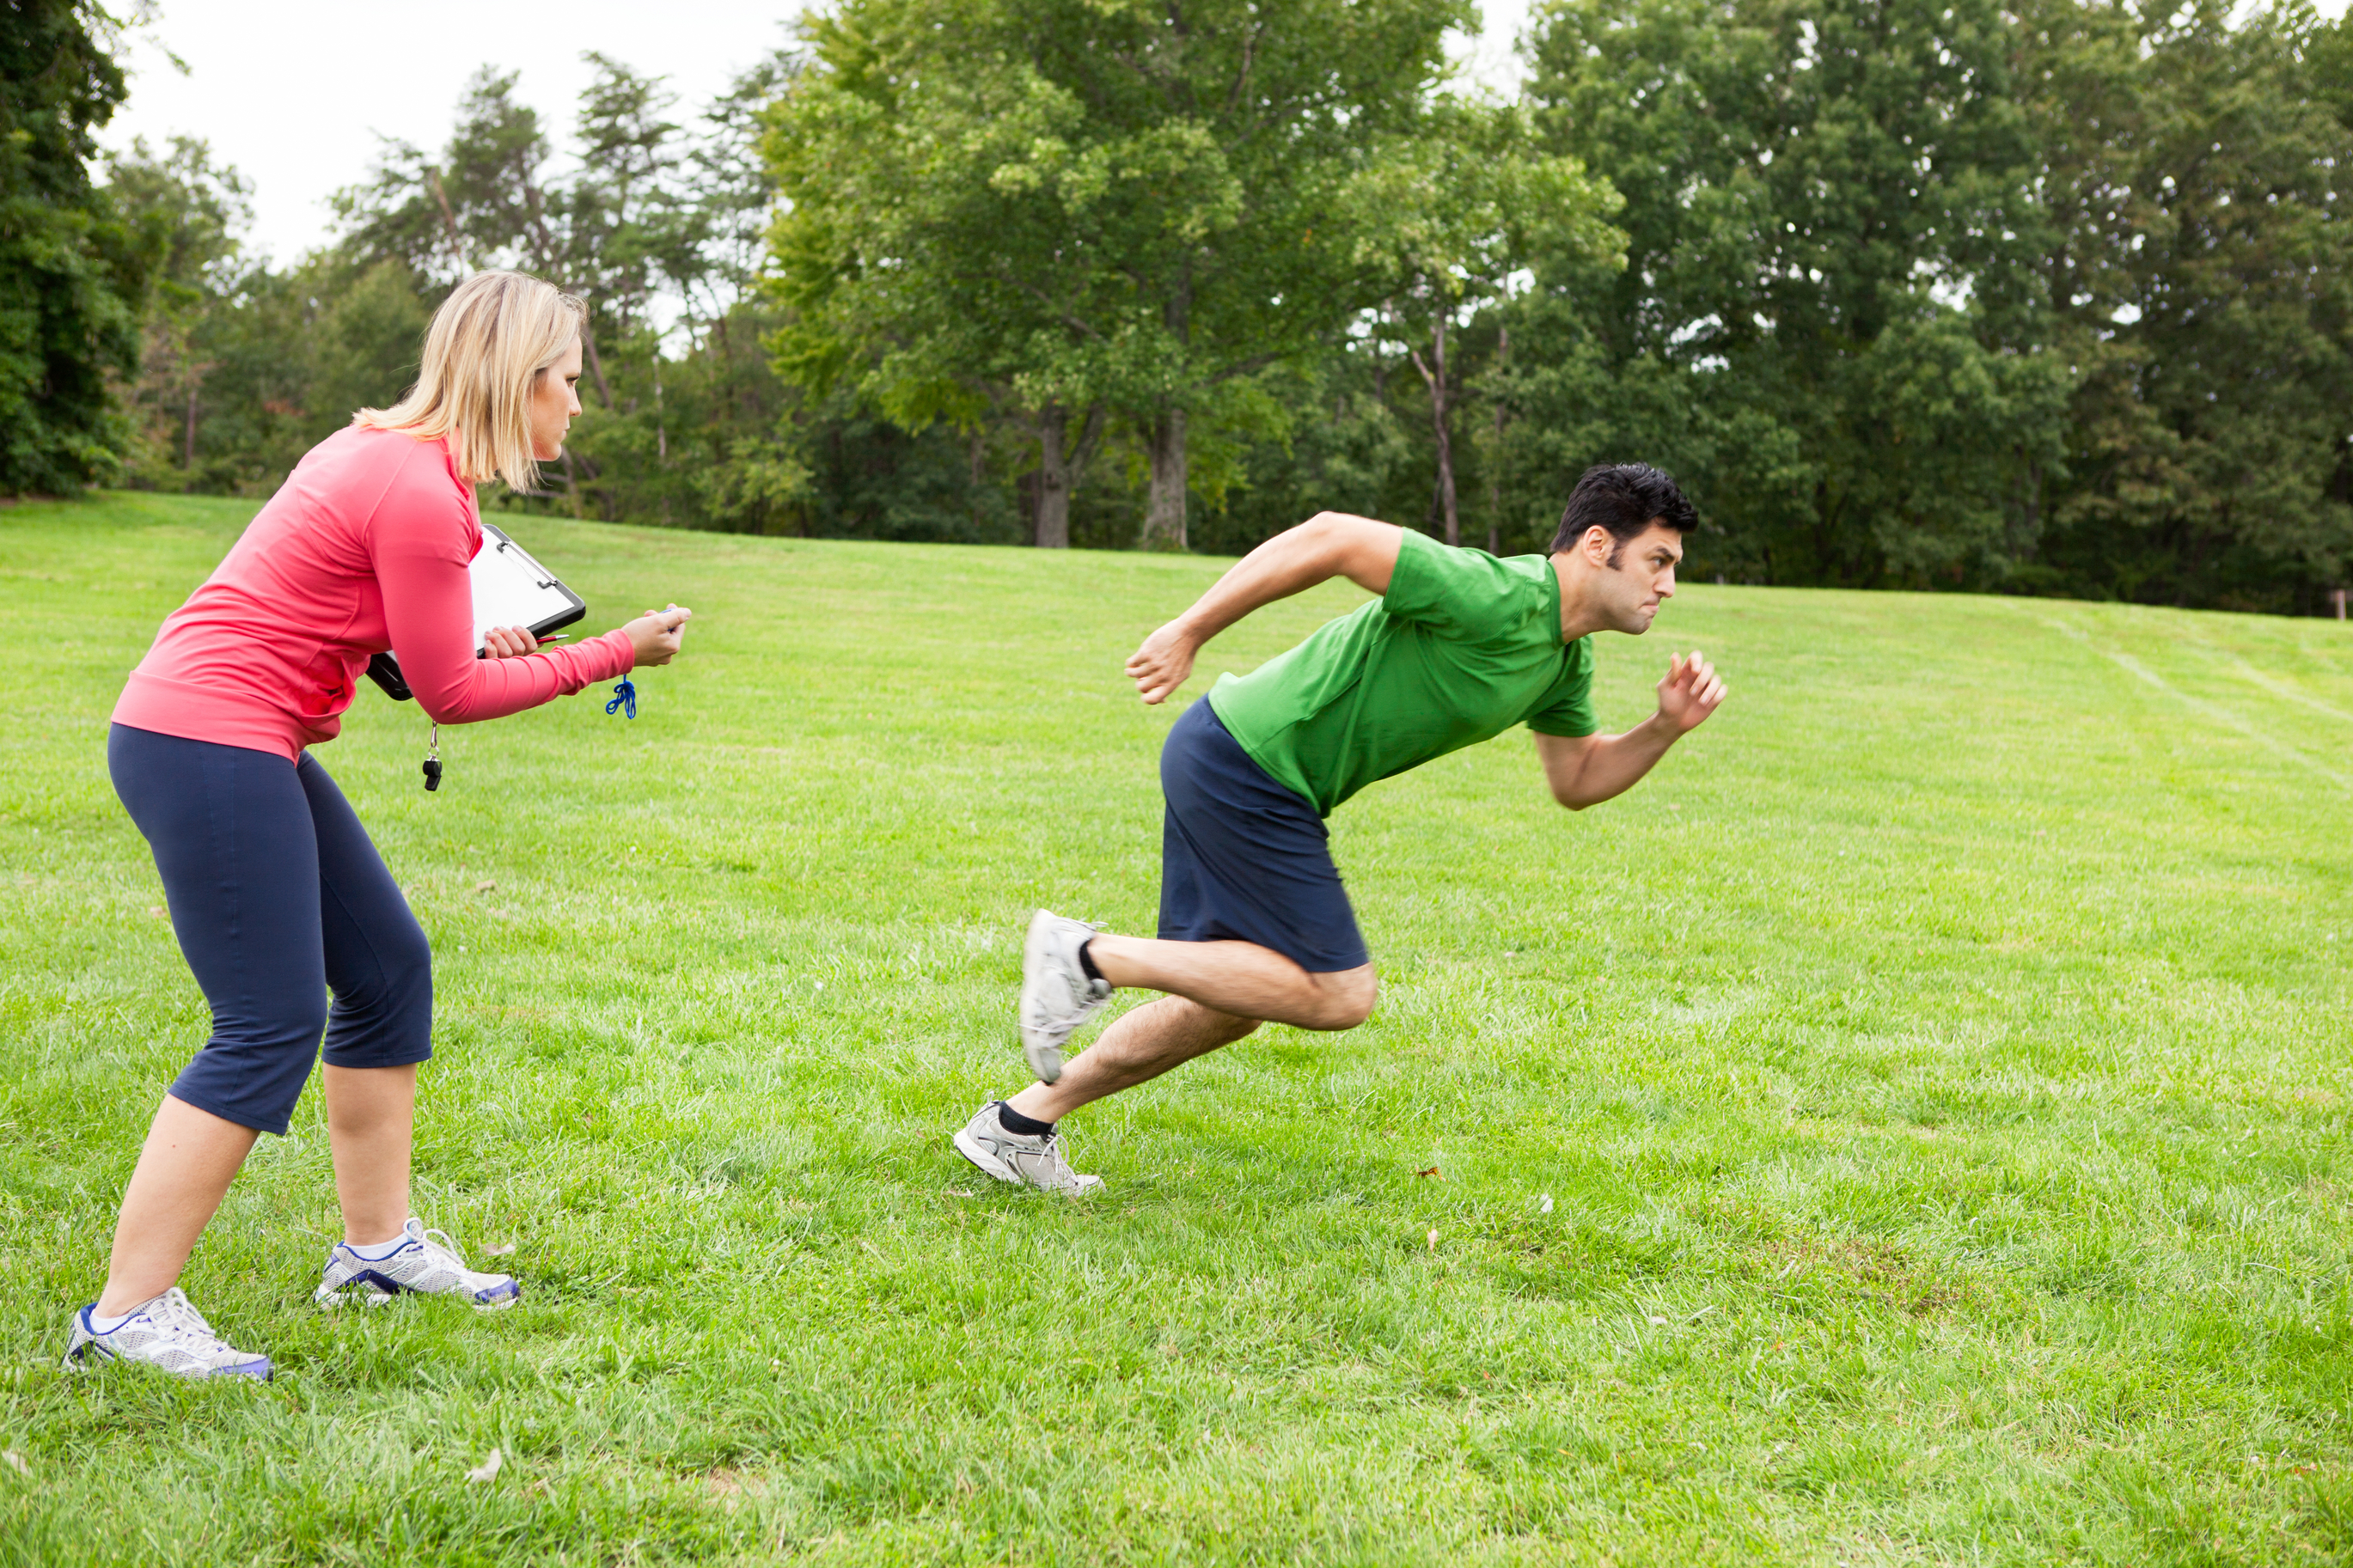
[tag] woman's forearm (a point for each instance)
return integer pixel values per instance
(428, 609)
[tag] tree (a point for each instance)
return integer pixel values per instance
(1830, 311)
(655, 235)
(189, 215)
(72, 275)
(1453, 212)
(1135, 207)
(2202, 273)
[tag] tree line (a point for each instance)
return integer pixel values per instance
(2045, 296)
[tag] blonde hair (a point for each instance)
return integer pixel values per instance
(484, 353)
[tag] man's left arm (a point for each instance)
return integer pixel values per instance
(1586, 770)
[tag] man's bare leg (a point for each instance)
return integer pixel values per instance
(1241, 979)
(1140, 1046)
(1218, 993)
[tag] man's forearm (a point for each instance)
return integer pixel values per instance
(1617, 763)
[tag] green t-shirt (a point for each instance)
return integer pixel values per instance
(1461, 648)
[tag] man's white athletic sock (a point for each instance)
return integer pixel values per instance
(376, 1252)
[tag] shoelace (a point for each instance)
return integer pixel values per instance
(447, 1246)
(1056, 1160)
(176, 1317)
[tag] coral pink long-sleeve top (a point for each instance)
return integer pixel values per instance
(363, 549)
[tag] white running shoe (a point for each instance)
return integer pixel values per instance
(426, 1264)
(167, 1332)
(1057, 996)
(1028, 1160)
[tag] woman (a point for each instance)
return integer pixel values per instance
(276, 893)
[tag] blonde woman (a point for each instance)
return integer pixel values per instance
(276, 894)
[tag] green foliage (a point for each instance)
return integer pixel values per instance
(72, 275)
(1937, 1071)
(246, 367)
(1831, 236)
(2046, 298)
(2201, 284)
(1458, 208)
(1057, 207)
(188, 215)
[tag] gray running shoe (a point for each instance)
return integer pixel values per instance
(1057, 996)
(1029, 1161)
(168, 1333)
(427, 1264)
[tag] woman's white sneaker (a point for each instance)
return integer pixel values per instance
(1028, 1160)
(167, 1333)
(427, 1263)
(1057, 993)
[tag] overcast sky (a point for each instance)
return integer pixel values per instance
(294, 92)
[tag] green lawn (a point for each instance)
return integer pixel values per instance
(1936, 1072)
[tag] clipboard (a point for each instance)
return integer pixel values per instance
(511, 589)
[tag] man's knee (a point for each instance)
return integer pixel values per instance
(1346, 999)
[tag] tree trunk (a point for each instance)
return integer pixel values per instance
(1434, 373)
(1495, 463)
(1060, 468)
(661, 419)
(595, 367)
(1051, 528)
(1164, 512)
(188, 447)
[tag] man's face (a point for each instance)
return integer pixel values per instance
(1644, 577)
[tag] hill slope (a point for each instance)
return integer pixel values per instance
(1936, 1073)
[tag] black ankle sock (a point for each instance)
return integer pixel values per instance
(1014, 1121)
(1087, 960)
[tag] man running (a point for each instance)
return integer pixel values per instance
(1255, 925)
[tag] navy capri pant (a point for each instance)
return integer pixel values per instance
(277, 897)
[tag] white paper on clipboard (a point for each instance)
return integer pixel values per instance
(511, 589)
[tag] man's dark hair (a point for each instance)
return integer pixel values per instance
(1625, 499)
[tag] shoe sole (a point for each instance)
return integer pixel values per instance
(1045, 1057)
(89, 1356)
(332, 1299)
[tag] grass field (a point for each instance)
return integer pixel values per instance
(1936, 1074)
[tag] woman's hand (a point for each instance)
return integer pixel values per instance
(656, 635)
(509, 642)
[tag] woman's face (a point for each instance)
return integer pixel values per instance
(554, 399)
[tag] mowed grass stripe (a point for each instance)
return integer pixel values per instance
(1937, 1071)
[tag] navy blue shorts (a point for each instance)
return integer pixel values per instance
(277, 898)
(1244, 859)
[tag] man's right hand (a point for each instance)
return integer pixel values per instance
(1161, 665)
(657, 633)
(1329, 544)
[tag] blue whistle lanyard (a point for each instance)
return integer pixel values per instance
(625, 699)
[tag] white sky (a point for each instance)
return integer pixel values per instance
(293, 92)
